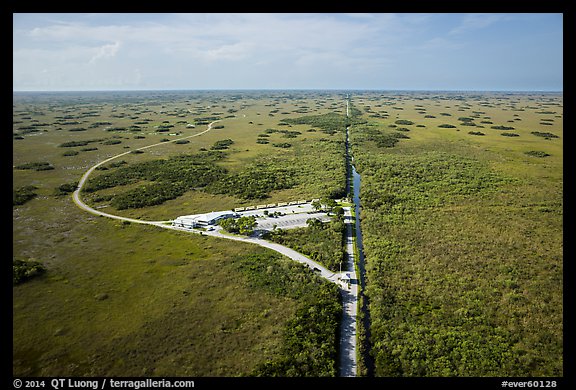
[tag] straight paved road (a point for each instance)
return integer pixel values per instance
(348, 362)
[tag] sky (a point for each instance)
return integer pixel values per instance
(103, 51)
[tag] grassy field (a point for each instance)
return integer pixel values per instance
(463, 232)
(462, 227)
(130, 300)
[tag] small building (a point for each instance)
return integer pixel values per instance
(215, 216)
(347, 277)
(185, 221)
(200, 220)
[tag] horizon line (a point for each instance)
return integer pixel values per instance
(283, 89)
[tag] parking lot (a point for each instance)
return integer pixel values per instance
(291, 216)
(289, 221)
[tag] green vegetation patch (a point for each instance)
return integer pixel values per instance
(256, 181)
(544, 134)
(23, 194)
(283, 145)
(172, 177)
(329, 123)
(65, 189)
(244, 225)
(36, 166)
(382, 139)
(23, 270)
(537, 153)
(71, 144)
(460, 260)
(222, 144)
(409, 181)
(310, 339)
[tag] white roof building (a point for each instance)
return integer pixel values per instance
(346, 277)
(192, 221)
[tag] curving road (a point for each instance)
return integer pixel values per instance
(84, 206)
(324, 272)
(349, 294)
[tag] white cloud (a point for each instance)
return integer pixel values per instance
(105, 51)
(472, 22)
(241, 50)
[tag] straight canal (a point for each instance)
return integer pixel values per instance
(353, 180)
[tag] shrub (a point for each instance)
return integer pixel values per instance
(282, 145)
(502, 127)
(222, 144)
(545, 135)
(243, 225)
(25, 270)
(66, 188)
(536, 153)
(112, 142)
(71, 144)
(23, 194)
(37, 166)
